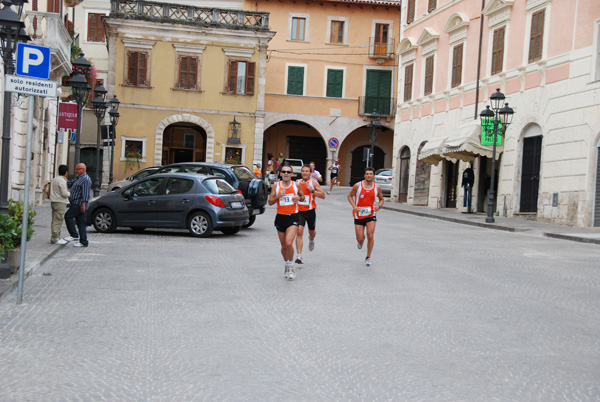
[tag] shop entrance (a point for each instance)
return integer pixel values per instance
(183, 142)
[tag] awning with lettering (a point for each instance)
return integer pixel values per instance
(464, 143)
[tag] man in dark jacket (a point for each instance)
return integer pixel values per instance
(468, 179)
(80, 195)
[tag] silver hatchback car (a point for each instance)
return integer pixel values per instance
(383, 177)
(195, 202)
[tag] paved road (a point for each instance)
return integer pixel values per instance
(447, 312)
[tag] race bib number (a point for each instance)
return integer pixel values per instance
(364, 211)
(286, 200)
(305, 202)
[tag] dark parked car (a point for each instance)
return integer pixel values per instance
(255, 190)
(134, 177)
(188, 201)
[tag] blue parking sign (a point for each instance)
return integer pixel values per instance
(33, 61)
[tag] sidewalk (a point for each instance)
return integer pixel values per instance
(39, 248)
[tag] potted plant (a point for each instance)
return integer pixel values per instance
(10, 233)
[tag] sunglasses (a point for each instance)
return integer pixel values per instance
(286, 171)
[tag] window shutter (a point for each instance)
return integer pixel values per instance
(54, 6)
(432, 5)
(91, 28)
(132, 68)
(232, 80)
(410, 13)
(142, 69)
(536, 37)
(182, 81)
(193, 73)
(457, 65)
(408, 80)
(250, 78)
(335, 83)
(295, 80)
(429, 76)
(498, 51)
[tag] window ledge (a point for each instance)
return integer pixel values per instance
(187, 90)
(141, 160)
(137, 86)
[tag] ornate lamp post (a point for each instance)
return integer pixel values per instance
(11, 31)
(99, 110)
(375, 125)
(114, 119)
(81, 91)
(499, 118)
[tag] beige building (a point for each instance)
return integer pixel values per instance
(543, 55)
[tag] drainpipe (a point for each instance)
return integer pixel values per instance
(479, 61)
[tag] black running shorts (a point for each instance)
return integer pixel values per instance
(282, 222)
(309, 217)
(364, 222)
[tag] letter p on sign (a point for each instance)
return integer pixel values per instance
(33, 61)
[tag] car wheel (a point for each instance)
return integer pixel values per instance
(200, 224)
(252, 220)
(137, 229)
(231, 231)
(104, 221)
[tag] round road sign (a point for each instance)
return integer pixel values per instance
(334, 142)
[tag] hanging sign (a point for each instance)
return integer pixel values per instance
(67, 116)
(487, 133)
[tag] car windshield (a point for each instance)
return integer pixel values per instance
(293, 162)
(218, 186)
(385, 173)
(243, 173)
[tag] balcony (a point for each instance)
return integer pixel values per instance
(48, 29)
(182, 14)
(379, 49)
(385, 106)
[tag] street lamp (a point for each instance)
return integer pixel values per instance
(500, 118)
(114, 119)
(81, 90)
(375, 124)
(10, 33)
(99, 110)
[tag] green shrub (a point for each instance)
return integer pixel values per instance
(10, 227)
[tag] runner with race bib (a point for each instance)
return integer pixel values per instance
(307, 210)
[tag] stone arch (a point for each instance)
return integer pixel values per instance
(183, 118)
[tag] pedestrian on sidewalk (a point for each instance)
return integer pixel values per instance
(362, 197)
(307, 210)
(286, 194)
(75, 216)
(59, 198)
(468, 179)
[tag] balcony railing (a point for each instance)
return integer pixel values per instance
(183, 14)
(48, 29)
(383, 105)
(379, 49)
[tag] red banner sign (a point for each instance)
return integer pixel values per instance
(67, 116)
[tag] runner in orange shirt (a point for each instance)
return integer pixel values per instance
(362, 197)
(307, 210)
(287, 194)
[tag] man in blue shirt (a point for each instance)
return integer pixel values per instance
(75, 217)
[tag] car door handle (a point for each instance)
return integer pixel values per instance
(184, 201)
(151, 202)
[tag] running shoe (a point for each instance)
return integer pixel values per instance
(286, 272)
(359, 245)
(311, 244)
(292, 274)
(368, 262)
(299, 260)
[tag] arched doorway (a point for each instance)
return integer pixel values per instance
(183, 142)
(404, 173)
(359, 162)
(530, 169)
(422, 177)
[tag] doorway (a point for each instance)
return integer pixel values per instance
(183, 142)
(404, 173)
(359, 162)
(451, 184)
(422, 177)
(88, 158)
(530, 174)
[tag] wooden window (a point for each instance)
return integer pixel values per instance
(381, 40)
(95, 28)
(536, 38)
(295, 84)
(457, 57)
(432, 5)
(498, 51)
(428, 76)
(241, 77)
(408, 82)
(188, 72)
(298, 27)
(410, 11)
(137, 68)
(337, 32)
(335, 83)
(54, 6)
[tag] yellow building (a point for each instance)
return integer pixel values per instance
(330, 64)
(191, 83)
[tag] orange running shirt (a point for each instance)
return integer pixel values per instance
(309, 198)
(365, 200)
(285, 204)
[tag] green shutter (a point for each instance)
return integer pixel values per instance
(295, 80)
(335, 83)
(378, 92)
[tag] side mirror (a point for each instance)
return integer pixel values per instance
(127, 193)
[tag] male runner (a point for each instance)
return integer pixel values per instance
(335, 169)
(307, 210)
(362, 198)
(286, 194)
(314, 173)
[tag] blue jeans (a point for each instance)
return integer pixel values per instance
(467, 198)
(74, 217)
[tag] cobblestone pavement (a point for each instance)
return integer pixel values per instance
(447, 312)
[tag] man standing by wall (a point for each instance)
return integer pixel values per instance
(59, 198)
(362, 198)
(75, 216)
